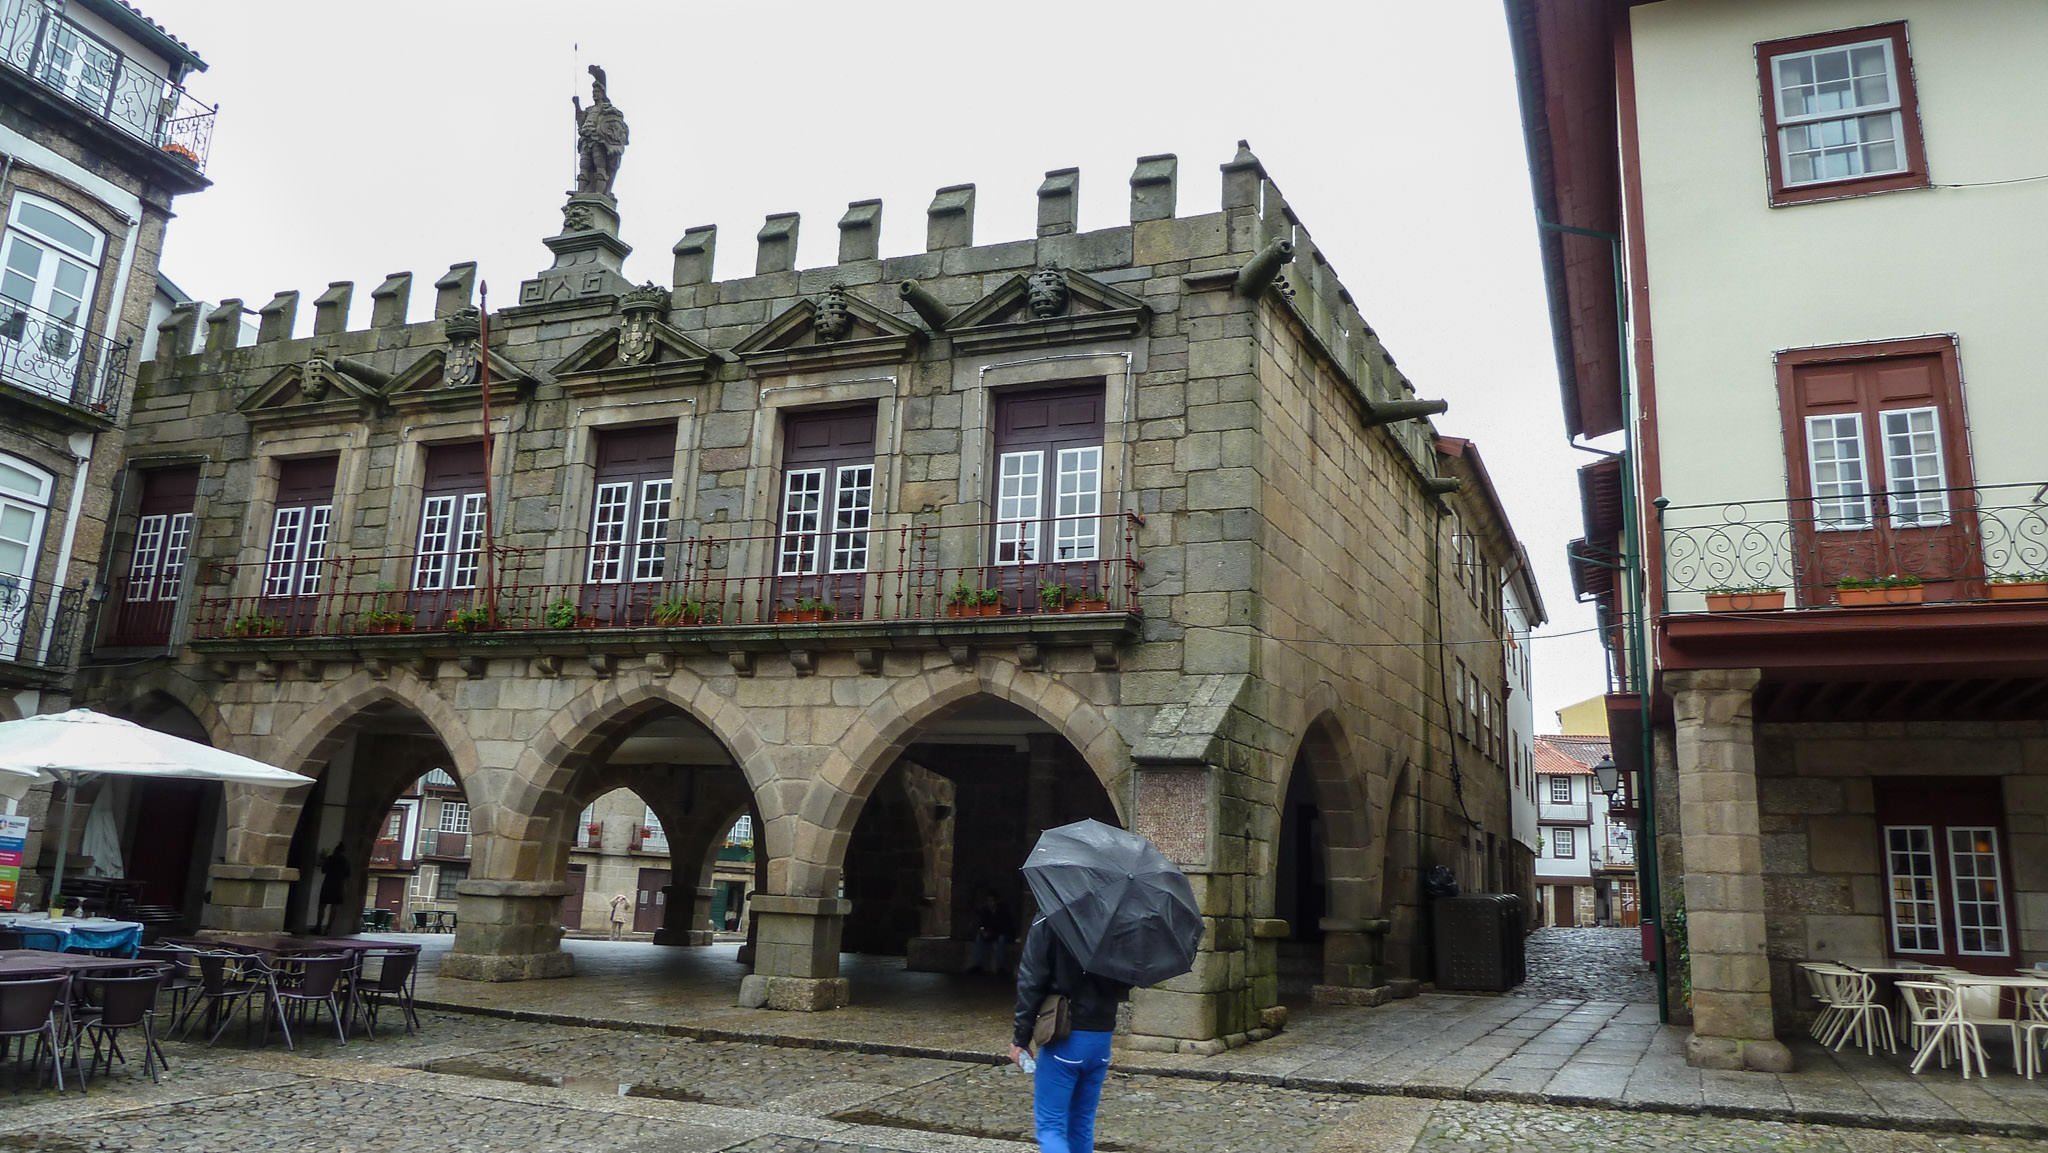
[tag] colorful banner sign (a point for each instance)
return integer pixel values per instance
(13, 834)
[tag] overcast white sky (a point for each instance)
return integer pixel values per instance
(359, 139)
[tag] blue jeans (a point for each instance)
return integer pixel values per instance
(1067, 1090)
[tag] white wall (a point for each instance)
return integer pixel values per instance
(1521, 719)
(1549, 866)
(1733, 280)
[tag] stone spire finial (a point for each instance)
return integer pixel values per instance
(860, 231)
(949, 222)
(777, 238)
(1152, 187)
(1058, 201)
(694, 254)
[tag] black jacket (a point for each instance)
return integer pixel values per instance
(1047, 966)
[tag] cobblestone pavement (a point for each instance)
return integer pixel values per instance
(1589, 965)
(484, 1084)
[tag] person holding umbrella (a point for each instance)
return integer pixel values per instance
(1114, 913)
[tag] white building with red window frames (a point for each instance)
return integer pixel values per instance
(1794, 261)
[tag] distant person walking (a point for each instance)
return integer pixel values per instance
(994, 930)
(622, 914)
(334, 873)
(1068, 1085)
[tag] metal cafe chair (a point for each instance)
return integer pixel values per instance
(225, 981)
(118, 1004)
(393, 984)
(30, 1009)
(303, 984)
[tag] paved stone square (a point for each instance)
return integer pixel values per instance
(1588, 964)
(471, 1082)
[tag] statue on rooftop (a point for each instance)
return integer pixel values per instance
(600, 138)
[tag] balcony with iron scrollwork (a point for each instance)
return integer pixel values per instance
(58, 59)
(63, 368)
(1960, 545)
(721, 592)
(38, 632)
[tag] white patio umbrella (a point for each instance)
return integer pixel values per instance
(77, 744)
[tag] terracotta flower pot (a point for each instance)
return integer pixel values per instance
(2019, 591)
(974, 610)
(1087, 605)
(799, 616)
(1881, 597)
(1748, 602)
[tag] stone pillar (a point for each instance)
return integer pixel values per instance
(796, 954)
(508, 931)
(1724, 864)
(686, 915)
(248, 898)
(1353, 955)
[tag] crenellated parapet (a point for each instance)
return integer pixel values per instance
(1188, 268)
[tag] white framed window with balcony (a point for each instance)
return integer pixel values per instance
(1560, 790)
(24, 508)
(49, 266)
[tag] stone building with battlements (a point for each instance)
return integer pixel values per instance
(905, 559)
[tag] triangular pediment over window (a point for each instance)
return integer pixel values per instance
(793, 341)
(321, 390)
(668, 357)
(1009, 317)
(425, 384)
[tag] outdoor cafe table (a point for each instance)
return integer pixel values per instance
(81, 932)
(41, 963)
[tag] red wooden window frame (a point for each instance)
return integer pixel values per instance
(1943, 803)
(1915, 173)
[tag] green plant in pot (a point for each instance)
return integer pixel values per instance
(256, 625)
(386, 614)
(1053, 596)
(966, 599)
(810, 608)
(561, 614)
(679, 610)
(469, 619)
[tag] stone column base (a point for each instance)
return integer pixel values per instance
(793, 994)
(507, 966)
(249, 898)
(1730, 1053)
(508, 931)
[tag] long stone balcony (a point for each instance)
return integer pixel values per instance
(58, 58)
(1922, 546)
(719, 591)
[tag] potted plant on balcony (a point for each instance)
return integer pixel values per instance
(469, 619)
(1065, 598)
(805, 610)
(685, 611)
(1890, 589)
(256, 625)
(183, 153)
(1745, 598)
(2019, 586)
(966, 600)
(384, 615)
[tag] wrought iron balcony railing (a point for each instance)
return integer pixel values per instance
(37, 41)
(53, 357)
(385, 854)
(39, 624)
(442, 843)
(1958, 544)
(701, 581)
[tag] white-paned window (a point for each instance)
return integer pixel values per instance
(650, 538)
(1915, 480)
(1839, 113)
(1020, 496)
(421, 882)
(454, 817)
(49, 264)
(742, 831)
(1979, 891)
(451, 542)
(852, 507)
(608, 532)
(1077, 529)
(1560, 790)
(803, 502)
(1841, 493)
(149, 548)
(1564, 843)
(1909, 871)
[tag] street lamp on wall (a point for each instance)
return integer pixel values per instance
(1606, 776)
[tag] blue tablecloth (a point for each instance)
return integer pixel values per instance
(77, 934)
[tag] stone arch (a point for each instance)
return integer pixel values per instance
(176, 686)
(833, 801)
(261, 822)
(583, 726)
(1336, 783)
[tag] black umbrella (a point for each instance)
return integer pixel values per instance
(1124, 910)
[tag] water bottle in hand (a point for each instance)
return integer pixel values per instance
(1028, 1063)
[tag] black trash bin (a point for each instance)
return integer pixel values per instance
(1479, 942)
